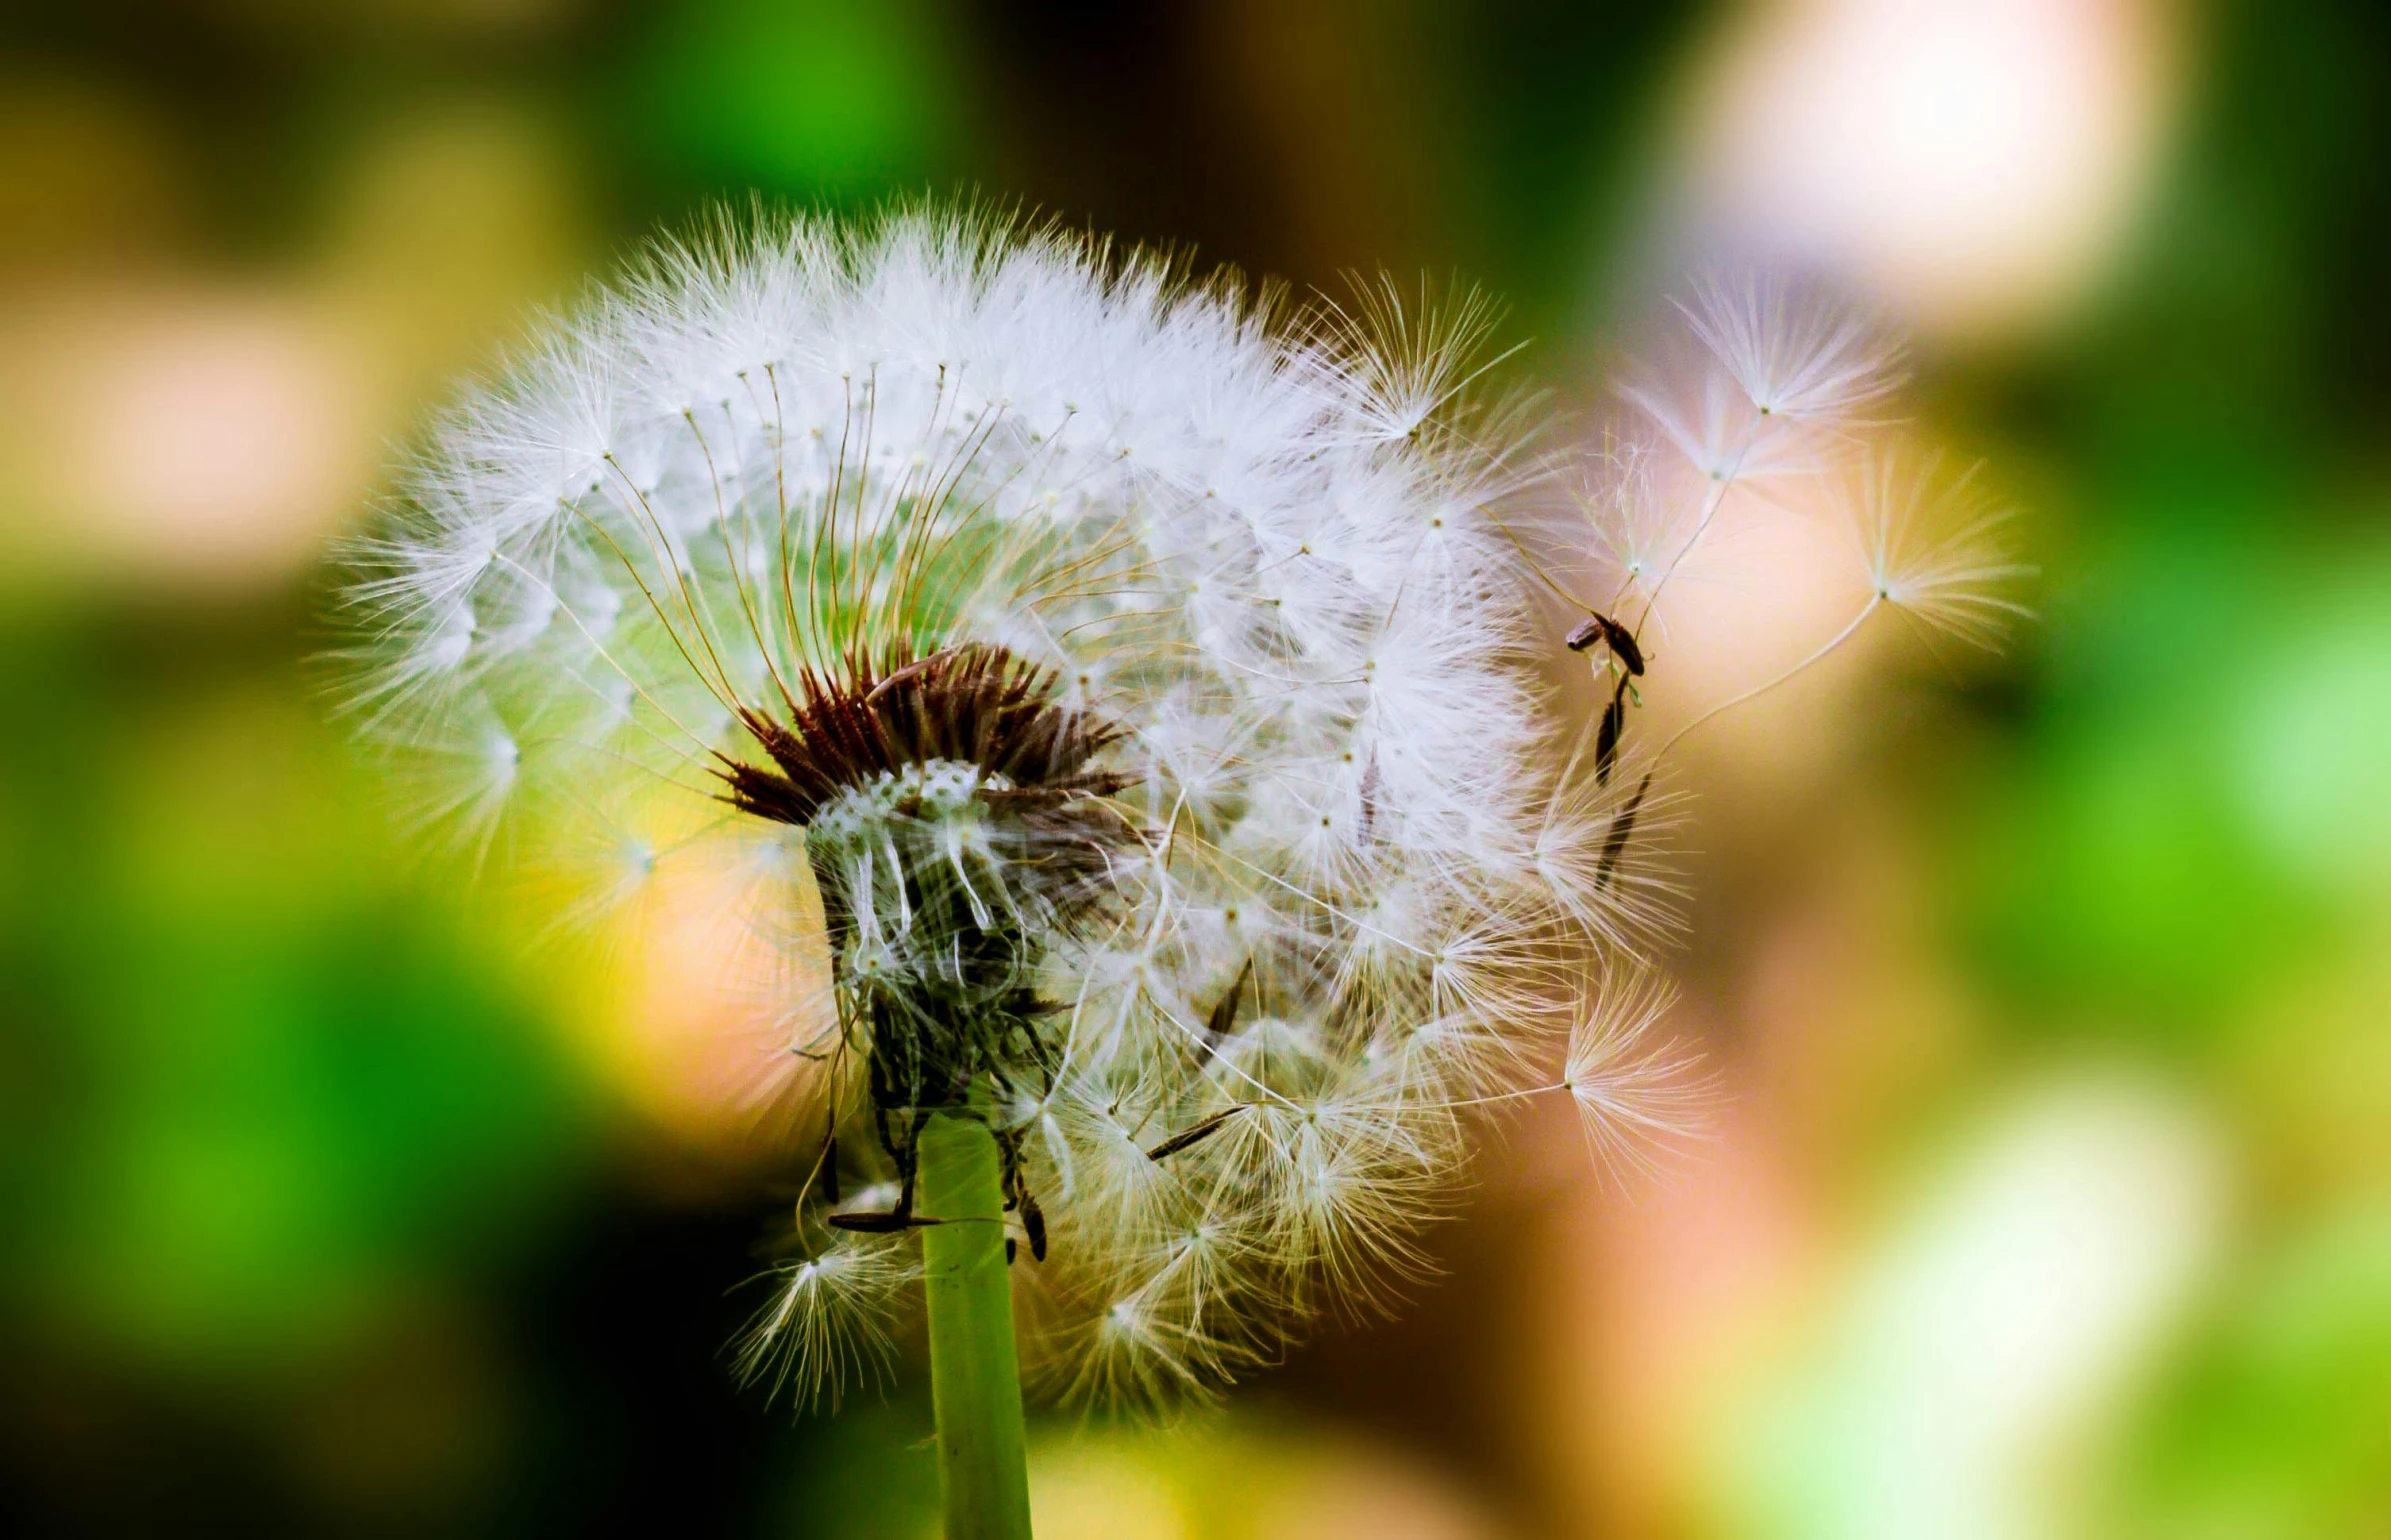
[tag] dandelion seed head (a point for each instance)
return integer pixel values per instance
(1131, 667)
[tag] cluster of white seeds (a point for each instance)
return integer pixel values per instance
(1366, 893)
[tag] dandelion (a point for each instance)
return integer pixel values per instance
(1135, 664)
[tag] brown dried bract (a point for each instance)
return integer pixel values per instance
(975, 704)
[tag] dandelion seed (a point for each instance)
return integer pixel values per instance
(828, 1324)
(1930, 542)
(1796, 355)
(1633, 1092)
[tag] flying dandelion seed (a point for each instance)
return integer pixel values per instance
(1930, 544)
(1138, 663)
(1774, 394)
(1804, 356)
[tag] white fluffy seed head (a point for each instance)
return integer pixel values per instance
(1255, 544)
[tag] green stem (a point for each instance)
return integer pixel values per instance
(975, 1377)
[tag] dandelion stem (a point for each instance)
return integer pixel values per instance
(975, 1375)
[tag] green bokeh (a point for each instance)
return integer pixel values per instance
(2279, 1421)
(806, 99)
(265, 1088)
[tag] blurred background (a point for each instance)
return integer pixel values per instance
(2047, 1187)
